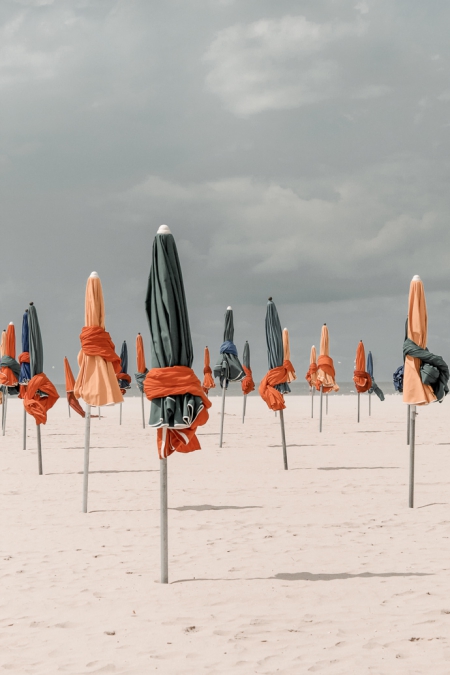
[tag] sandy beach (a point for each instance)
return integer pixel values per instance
(321, 568)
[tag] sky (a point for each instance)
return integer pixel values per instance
(296, 149)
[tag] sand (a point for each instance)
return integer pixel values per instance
(322, 568)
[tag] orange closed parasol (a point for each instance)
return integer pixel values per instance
(141, 372)
(70, 385)
(311, 375)
(9, 370)
(97, 382)
(287, 354)
(325, 381)
(208, 381)
(361, 377)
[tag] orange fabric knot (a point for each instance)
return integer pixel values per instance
(313, 368)
(176, 381)
(24, 357)
(325, 363)
(208, 382)
(362, 381)
(267, 391)
(7, 377)
(96, 341)
(247, 383)
(36, 405)
(22, 390)
(74, 404)
(124, 376)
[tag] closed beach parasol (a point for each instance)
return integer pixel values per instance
(25, 372)
(274, 384)
(361, 377)
(9, 371)
(426, 375)
(123, 377)
(99, 365)
(287, 354)
(374, 389)
(247, 383)
(311, 376)
(228, 368)
(40, 395)
(178, 403)
(208, 381)
(325, 381)
(70, 386)
(141, 371)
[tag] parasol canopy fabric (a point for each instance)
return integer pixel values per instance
(24, 357)
(287, 353)
(228, 367)
(375, 389)
(40, 395)
(208, 381)
(123, 377)
(9, 367)
(361, 377)
(140, 363)
(311, 375)
(99, 365)
(3, 343)
(415, 392)
(70, 386)
(179, 404)
(247, 383)
(274, 383)
(325, 368)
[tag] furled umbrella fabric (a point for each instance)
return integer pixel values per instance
(426, 375)
(228, 367)
(208, 381)
(99, 364)
(140, 363)
(41, 394)
(247, 383)
(70, 386)
(361, 377)
(325, 377)
(374, 389)
(287, 354)
(3, 343)
(24, 357)
(179, 404)
(9, 367)
(311, 375)
(274, 383)
(123, 377)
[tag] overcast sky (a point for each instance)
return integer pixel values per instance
(295, 149)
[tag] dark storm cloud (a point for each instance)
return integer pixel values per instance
(298, 150)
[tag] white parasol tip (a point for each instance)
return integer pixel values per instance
(93, 275)
(164, 229)
(228, 308)
(11, 323)
(284, 328)
(416, 277)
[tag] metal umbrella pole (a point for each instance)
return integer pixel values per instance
(68, 405)
(326, 404)
(120, 415)
(164, 523)
(283, 440)
(412, 447)
(359, 406)
(370, 401)
(222, 414)
(143, 410)
(321, 408)
(408, 423)
(39, 448)
(244, 405)
(312, 402)
(87, 437)
(5, 395)
(24, 429)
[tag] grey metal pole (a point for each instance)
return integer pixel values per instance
(39, 448)
(24, 429)
(143, 410)
(244, 405)
(222, 414)
(408, 423)
(68, 405)
(359, 406)
(412, 447)
(326, 404)
(87, 438)
(3, 409)
(6, 409)
(120, 422)
(312, 402)
(370, 408)
(164, 523)
(321, 408)
(283, 440)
